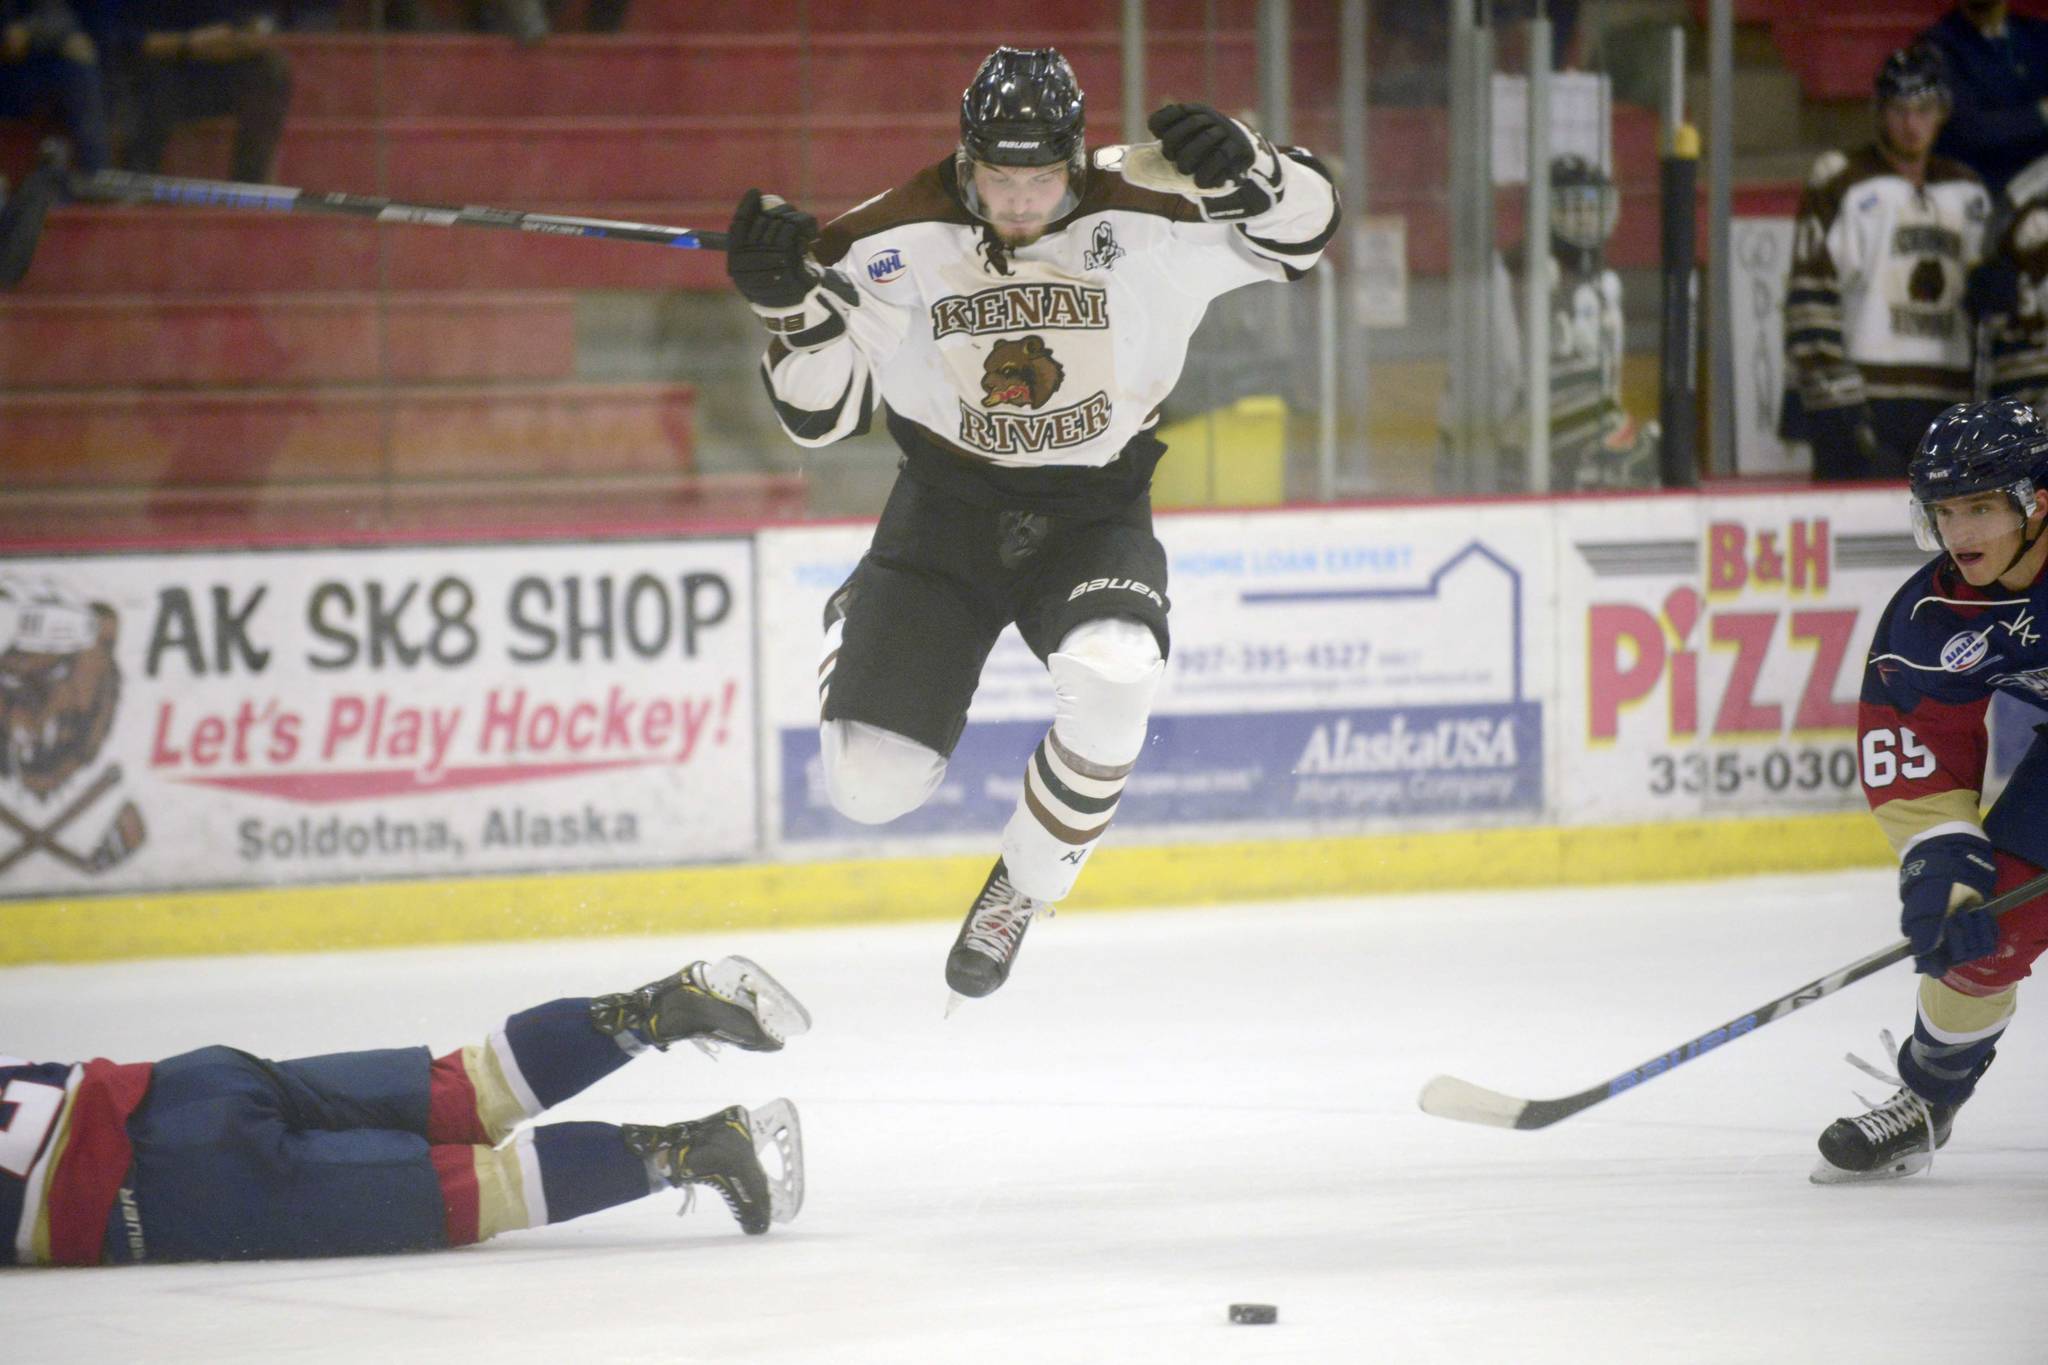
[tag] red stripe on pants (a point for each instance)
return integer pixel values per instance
(451, 1104)
(455, 1167)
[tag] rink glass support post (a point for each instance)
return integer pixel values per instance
(1678, 353)
(1535, 257)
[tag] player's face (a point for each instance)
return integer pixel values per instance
(1982, 532)
(1020, 200)
(1910, 126)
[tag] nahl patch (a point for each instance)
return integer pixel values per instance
(885, 265)
(1117, 584)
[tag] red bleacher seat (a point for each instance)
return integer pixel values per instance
(151, 438)
(257, 339)
(356, 75)
(1836, 56)
(1030, 29)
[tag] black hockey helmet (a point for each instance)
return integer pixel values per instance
(1584, 204)
(1996, 446)
(1913, 74)
(1023, 108)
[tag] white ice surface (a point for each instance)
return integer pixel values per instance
(1163, 1113)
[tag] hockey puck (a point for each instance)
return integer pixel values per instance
(1254, 1313)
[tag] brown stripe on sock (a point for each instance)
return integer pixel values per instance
(1054, 826)
(1100, 772)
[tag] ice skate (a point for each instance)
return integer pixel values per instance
(722, 1151)
(1893, 1139)
(991, 936)
(1890, 1140)
(733, 1000)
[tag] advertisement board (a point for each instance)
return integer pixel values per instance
(1330, 671)
(181, 720)
(1714, 649)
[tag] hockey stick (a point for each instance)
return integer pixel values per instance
(21, 213)
(18, 239)
(1447, 1097)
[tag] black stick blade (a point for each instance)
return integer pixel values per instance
(21, 217)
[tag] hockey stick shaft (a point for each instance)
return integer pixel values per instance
(1448, 1097)
(131, 187)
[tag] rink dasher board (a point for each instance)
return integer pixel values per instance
(255, 718)
(1610, 687)
(1310, 688)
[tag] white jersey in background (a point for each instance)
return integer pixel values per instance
(1873, 309)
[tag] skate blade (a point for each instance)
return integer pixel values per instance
(954, 1000)
(1826, 1173)
(782, 1016)
(775, 1125)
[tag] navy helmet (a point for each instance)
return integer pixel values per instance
(1996, 446)
(1912, 74)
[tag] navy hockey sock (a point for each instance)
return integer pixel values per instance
(585, 1167)
(557, 1053)
(1944, 1072)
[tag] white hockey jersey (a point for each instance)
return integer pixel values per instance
(1873, 308)
(1053, 354)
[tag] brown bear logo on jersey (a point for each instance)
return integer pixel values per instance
(1020, 371)
(59, 686)
(1928, 282)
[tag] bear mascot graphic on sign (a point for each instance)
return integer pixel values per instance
(59, 687)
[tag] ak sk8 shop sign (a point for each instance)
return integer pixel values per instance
(301, 716)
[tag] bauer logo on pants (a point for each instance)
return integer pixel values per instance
(59, 689)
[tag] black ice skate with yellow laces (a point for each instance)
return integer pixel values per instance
(733, 1000)
(722, 1151)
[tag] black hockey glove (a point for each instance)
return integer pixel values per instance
(1217, 152)
(766, 252)
(1992, 290)
(1947, 870)
(1845, 444)
(1203, 143)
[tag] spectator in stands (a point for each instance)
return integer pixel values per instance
(1877, 338)
(1998, 76)
(49, 64)
(192, 59)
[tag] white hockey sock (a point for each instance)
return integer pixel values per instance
(1104, 675)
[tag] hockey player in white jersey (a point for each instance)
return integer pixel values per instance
(1876, 335)
(1016, 313)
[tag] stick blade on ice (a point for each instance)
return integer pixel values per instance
(1447, 1097)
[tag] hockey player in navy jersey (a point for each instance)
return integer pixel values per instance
(218, 1155)
(1017, 313)
(1968, 624)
